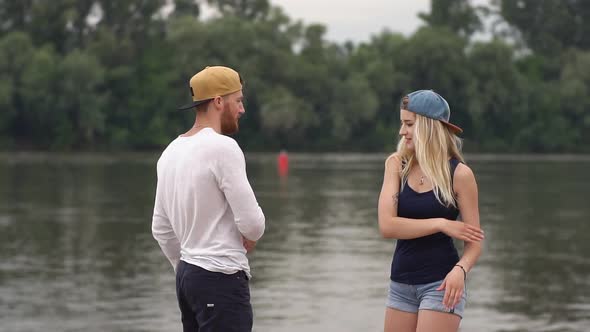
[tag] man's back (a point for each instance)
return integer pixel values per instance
(206, 216)
(204, 203)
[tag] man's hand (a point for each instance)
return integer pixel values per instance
(248, 244)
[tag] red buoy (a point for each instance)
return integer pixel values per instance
(283, 163)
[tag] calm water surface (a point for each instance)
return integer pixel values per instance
(76, 252)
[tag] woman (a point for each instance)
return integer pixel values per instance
(425, 187)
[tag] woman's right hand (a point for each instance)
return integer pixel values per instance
(461, 231)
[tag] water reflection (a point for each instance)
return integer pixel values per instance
(537, 243)
(77, 253)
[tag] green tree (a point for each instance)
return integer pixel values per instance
(80, 104)
(380, 62)
(436, 59)
(40, 96)
(186, 8)
(13, 15)
(16, 52)
(545, 130)
(285, 117)
(62, 23)
(549, 26)
(105, 73)
(498, 97)
(353, 105)
(574, 89)
(456, 15)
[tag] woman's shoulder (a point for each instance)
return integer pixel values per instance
(463, 174)
(394, 161)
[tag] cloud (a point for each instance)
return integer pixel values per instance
(357, 20)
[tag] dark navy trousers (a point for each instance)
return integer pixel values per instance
(213, 301)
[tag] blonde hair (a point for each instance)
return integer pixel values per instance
(434, 144)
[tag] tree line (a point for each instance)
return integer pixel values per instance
(108, 75)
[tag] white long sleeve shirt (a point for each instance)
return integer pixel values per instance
(204, 203)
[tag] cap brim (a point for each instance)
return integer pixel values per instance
(454, 129)
(192, 105)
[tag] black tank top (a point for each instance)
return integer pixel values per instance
(429, 258)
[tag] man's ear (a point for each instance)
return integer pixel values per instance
(218, 101)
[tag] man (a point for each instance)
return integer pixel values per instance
(206, 217)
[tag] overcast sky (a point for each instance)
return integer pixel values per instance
(358, 20)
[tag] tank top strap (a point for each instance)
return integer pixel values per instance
(453, 163)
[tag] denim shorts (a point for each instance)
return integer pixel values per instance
(411, 298)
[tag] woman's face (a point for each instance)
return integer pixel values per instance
(408, 120)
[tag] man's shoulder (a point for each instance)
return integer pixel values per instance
(167, 149)
(225, 143)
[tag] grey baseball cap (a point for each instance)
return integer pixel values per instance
(431, 105)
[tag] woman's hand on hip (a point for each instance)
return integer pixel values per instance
(454, 286)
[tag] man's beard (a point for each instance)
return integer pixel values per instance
(229, 124)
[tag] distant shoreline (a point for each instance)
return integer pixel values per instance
(336, 157)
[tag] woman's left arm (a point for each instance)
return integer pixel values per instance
(467, 198)
(465, 187)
